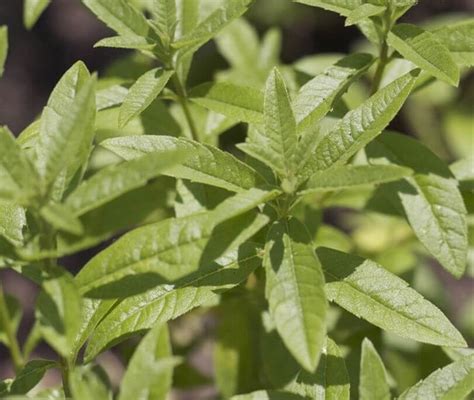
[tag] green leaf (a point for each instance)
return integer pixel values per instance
(15, 313)
(316, 98)
(12, 223)
(165, 13)
(458, 40)
(58, 311)
(67, 125)
(430, 199)
(89, 382)
(295, 291)
(349, 176)
(143, 92)
(453, 382)
(18, 178)
(110, 97)
(119, 15)
(62, 218)
(32, 10)
(329, 382)
(112, 182)
(361, 125)
(166, 302)
(267, 395)
(343, 7)
(207, 164)
(132, 42)
(150, 370)
(373, 383)
(370, 292)
(210, 27)
(30, 375)
(363, 12)
(424, 50)
(241, 103)
(3, 47)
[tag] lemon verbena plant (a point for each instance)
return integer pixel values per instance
(240, 238)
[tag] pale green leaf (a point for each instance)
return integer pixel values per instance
(315, 99)
(131, 42)
(361, 125)
(89, 382)
(3, 47)
(150, 370)
(112, 182)
(142, 93)
(362, 12)
(32, 10)
(241, 103)
(58, 311)
(431, 199)
(457, 353)
(165, 13)
(453, 382)
(267, 395)
(67, 126)
(349, 176)
(343, 7)
(169, 301)
(30, 375)
(110, 97)
(373, 382)
(207, 164)
(15, 313)
(119, 15)
(295, 291)
(424, 50)
(62, 218)
(457, 38)
(12, 222)
(329, 382)
(370, 292)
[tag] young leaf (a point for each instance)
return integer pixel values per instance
(150, 370)
(12, 223)
(67, 125)
(127, 42)
(458, 40)
(373, 383)
(329, 382)
(112, 182)
(362, 12)
(3, 47)
(424, 50)
(343, 7)
(241, 103)
(89, 382)
(32, 10)
(143, 92)
(453, 382)
(62, 218)
(166, 302)
(431, 199)
(30, 376)
(368, 291)
(207, 164)
(267, 395)
(119, 15)
(348, 176)
(15, 312)
(361, 125)
(165, 13)
(210, 27)
(59, 311)
(316, 97)
(295, 291)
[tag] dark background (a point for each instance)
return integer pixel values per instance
(67, 32)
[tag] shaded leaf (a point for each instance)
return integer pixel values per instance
(458, 40)
(3, 47)
(373, 382)
(362, 12)
(62, 218)
(30, 375)
(32, 10)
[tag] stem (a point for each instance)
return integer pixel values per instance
(183, 100)
(383, 55)
(13, 345)
(65, 377)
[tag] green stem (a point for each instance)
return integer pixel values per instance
(183, 100)
(13, 345)
(383, 55)
(65, 368)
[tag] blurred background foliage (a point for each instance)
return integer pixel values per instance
(439, 115)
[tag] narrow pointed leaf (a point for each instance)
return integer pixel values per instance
(3, 47)
(349, 176)
(143, 92)
(207, 164)
(241, 103)
(424, 50)
(267, 395)
(30, 375)
(458, 40)
(343, 7)
(295, 291)
(362, 12)
(430, 199)
(361, 125)
(453, 382)
(127, 42)
(316, 98)
(110, 183)
(165, 13)
(89, 382)
(373, 384)
(32, 10)
(368, 291)
(150, 370)
(62, 218)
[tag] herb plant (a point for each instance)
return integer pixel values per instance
(237, 237)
